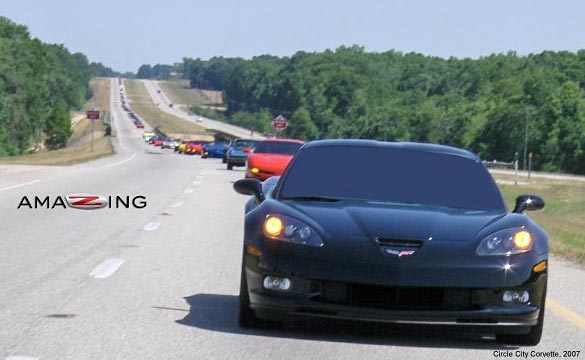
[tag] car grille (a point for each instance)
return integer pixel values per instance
(395, 298)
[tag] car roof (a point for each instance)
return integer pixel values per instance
(284, 140)
(413, 146)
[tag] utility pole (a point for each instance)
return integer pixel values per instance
(526, 139)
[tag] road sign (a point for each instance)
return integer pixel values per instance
(279, 123)
(93, 114)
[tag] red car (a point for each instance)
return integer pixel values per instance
(158, 142)
(195, 147)
(270, 157)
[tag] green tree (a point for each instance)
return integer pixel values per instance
(301, 126)
(58, 127)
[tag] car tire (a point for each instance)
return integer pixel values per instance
(532, 337)
(203, 157)
(246, 318)
(230, 166)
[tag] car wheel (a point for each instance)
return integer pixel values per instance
(532, 337)
(203, 157)
(246, 318)
(223, 160)
(230, 166)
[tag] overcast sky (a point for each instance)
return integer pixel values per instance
(124, 34)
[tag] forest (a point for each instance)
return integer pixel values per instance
(497, 106)
(39, 84)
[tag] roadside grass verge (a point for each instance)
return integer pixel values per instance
(141, 103)
(79, 145)
(563, 216)
(68, 156)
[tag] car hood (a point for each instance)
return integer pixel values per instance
(398, 221)
(366, 243)
(274, 163)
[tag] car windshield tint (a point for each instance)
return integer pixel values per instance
(277, 147)
(391, 175)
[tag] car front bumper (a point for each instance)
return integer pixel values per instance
(317, 298)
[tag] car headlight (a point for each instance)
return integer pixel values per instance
(506, 242)
(284, 228)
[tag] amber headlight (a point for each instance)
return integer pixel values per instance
(284, 228)
(506, 242)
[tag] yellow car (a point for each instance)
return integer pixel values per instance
(181, 148)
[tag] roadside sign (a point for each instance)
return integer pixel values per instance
(279, 123)
(93, 114)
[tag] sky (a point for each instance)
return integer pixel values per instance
(124, 34)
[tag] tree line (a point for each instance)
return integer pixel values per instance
(39, 84)
(497, 106)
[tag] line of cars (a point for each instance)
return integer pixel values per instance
(262, 158)
(135, 119)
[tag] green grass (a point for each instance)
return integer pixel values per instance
(67, 156)
(564, 215)
(179, 92)
(142, 104)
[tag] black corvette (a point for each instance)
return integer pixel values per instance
(392, 232)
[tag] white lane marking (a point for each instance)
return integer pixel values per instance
(19, 185)
(196, 182)
(188, 190)
(177, 204)
(107, 268)
(151, 226)
(199, 177)
(20, 357)
(121, 162)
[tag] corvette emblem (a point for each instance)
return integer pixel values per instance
(400, 253)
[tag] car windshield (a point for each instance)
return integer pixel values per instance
(244, 143)
(277, 147)
(390, 175)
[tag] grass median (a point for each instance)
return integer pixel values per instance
(564, 215)
(141, 103)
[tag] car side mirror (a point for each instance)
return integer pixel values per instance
(528, 203)
(250, 187)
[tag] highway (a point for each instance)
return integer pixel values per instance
(161, 282)
(162, 99)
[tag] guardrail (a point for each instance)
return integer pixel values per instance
(498, 164)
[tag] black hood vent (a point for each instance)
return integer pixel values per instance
(399, 242)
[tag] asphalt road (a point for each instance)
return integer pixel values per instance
(161, 282)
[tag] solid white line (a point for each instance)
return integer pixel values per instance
(151, 226)
(19, 185)
(121, 162)
(188, 190)
(177, 204)
(196, 182)
(107, 268)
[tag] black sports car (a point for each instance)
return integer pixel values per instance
(392, 232)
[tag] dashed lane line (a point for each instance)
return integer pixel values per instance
(107, 268)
